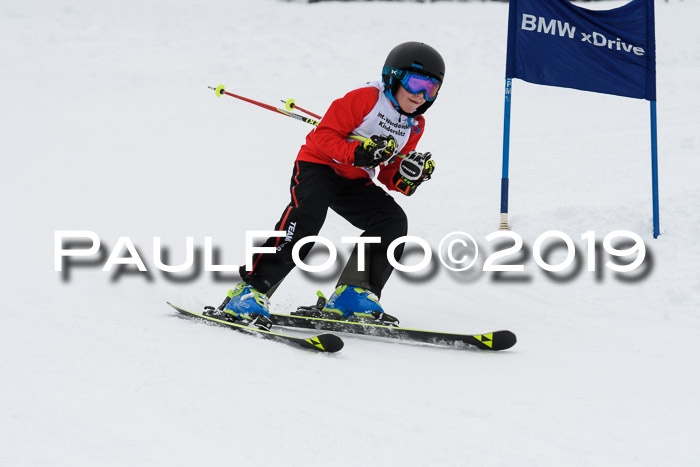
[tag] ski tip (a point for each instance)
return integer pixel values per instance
(177, 308)
(330, 342)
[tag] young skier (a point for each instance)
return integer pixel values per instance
(334, 171)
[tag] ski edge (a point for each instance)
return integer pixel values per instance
(492, 341)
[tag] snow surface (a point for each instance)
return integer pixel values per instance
(107, 125)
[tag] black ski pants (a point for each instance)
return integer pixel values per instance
(314, 189)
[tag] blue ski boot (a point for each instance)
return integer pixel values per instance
(357, 304)
(245, 304)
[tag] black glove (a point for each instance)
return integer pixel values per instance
(375, 150)
(415, 168)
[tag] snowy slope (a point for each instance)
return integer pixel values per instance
(107, 125)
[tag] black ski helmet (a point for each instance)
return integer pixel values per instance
(412, 56)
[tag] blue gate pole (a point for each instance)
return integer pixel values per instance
(654, 169)
(506, 155)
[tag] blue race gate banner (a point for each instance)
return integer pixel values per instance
(556, 43)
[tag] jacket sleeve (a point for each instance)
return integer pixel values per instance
(386, 173)
(343, 116)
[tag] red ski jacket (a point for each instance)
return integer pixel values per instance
(364, 112)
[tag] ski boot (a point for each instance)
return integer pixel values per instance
(243, 305)
(351, 304)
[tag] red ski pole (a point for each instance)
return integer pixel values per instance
(291, 105)
(220, 89)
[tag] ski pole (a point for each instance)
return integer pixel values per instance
(291, 105)
(220, 89)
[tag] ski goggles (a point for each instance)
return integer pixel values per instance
(416, 84)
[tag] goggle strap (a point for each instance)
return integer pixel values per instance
(393, 72)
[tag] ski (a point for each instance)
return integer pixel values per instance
(322, 343)
(497, 340)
